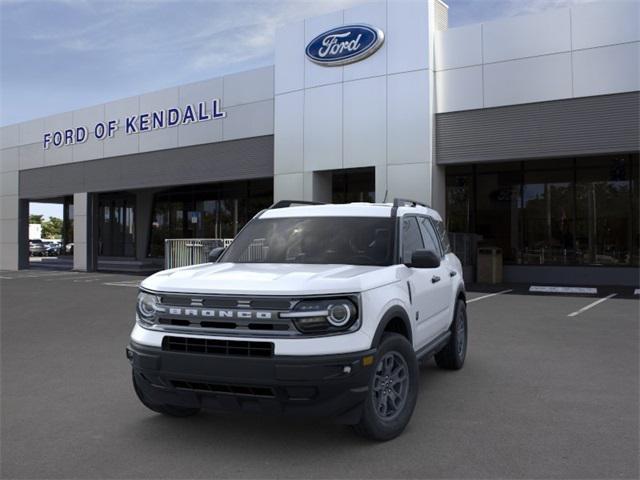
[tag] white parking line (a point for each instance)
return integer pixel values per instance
(129, 283)
(591, 305)
(89, 279)
(488, 296)
(547, 289)
(48, 274)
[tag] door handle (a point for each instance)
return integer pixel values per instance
(435, 279)
(452, 273)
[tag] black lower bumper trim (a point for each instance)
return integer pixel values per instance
(326, 386)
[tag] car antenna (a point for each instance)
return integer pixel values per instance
(386, 192)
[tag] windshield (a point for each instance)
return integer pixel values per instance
(324, 240)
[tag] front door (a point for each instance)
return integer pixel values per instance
(425, 284)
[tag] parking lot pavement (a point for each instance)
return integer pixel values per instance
(542, 395)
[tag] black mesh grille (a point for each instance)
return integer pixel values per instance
(218, 347)
(248, 390)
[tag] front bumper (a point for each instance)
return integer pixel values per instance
(325, 385)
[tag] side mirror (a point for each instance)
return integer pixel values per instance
(424, 259)
(215, 253)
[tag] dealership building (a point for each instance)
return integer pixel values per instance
(523, 132)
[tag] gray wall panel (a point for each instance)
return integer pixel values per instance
(580, 126)
(215, 162)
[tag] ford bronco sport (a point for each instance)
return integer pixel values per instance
(314, 310)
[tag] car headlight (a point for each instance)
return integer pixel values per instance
(329, 315)
(146, 308)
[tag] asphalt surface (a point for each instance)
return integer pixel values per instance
(542, 395)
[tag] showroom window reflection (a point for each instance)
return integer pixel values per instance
(581, 211)
(217, 210)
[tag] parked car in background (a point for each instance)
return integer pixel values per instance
(37, 248)
(68, 248)
(53, 249)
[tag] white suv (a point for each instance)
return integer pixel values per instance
(314, 310)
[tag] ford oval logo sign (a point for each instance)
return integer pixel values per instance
(343, 45)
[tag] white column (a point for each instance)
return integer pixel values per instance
(81, 233)
(9, 250)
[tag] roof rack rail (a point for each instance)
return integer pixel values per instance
(404, 202)
(288, 203)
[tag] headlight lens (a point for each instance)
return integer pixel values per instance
(146, 308)
(325, 315)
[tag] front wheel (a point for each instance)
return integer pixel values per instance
(393, 390)
(452, 356)
(170, 410)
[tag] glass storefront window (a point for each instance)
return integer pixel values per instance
(357, 185)
(460, 199)
(498, 205)
(575, 211)
(206, 211)
(116, 225)
(604, 203)
(548, 221)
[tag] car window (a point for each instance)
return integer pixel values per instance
(411, 238)
(430, 236)
(444, 237)
(315, 240)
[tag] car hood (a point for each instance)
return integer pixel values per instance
(271, 279)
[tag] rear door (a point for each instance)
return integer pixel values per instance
(441, 279)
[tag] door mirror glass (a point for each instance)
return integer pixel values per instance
(215, 253)
(424, 259)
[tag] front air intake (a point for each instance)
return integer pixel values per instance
(208, 346)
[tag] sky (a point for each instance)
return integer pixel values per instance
(61, 55)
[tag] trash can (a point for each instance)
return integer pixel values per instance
(489, 265)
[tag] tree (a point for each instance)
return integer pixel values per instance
(52, 228)
(36, 219)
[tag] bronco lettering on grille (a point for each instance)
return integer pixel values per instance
(216, 313)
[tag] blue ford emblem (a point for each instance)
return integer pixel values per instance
(343, 45)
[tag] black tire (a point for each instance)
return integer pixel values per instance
(170, 410)
(383, 426)
(452, 356)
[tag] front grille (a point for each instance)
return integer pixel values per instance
(245, 390)
(235, 348)
(257, 303)
(263, 325)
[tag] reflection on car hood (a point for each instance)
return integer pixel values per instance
(271, 279)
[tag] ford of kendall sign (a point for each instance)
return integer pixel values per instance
(139, 123)
(343, 45)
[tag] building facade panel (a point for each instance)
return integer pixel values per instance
(410, 31)
(526, 36)
(323, 127)
(603, 70)
(459, 89)
(289, 133)
(248, 87)
(365, 110)
(290, 60)
(527, 80)
(605, 23)
(458, 47)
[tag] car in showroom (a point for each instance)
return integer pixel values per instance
(314, 309)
